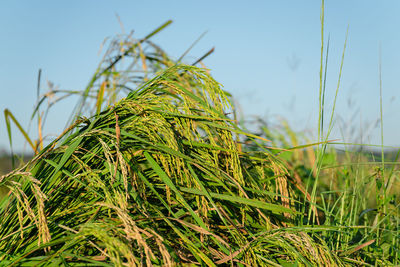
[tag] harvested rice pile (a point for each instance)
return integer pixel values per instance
(160, 178)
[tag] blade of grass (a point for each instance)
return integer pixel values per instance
(8, 115)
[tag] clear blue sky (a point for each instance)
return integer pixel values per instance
(256, 44)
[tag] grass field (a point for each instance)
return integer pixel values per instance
(156, 168)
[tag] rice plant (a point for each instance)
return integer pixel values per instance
(155, 179)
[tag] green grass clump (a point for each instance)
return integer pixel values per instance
(356, 205)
